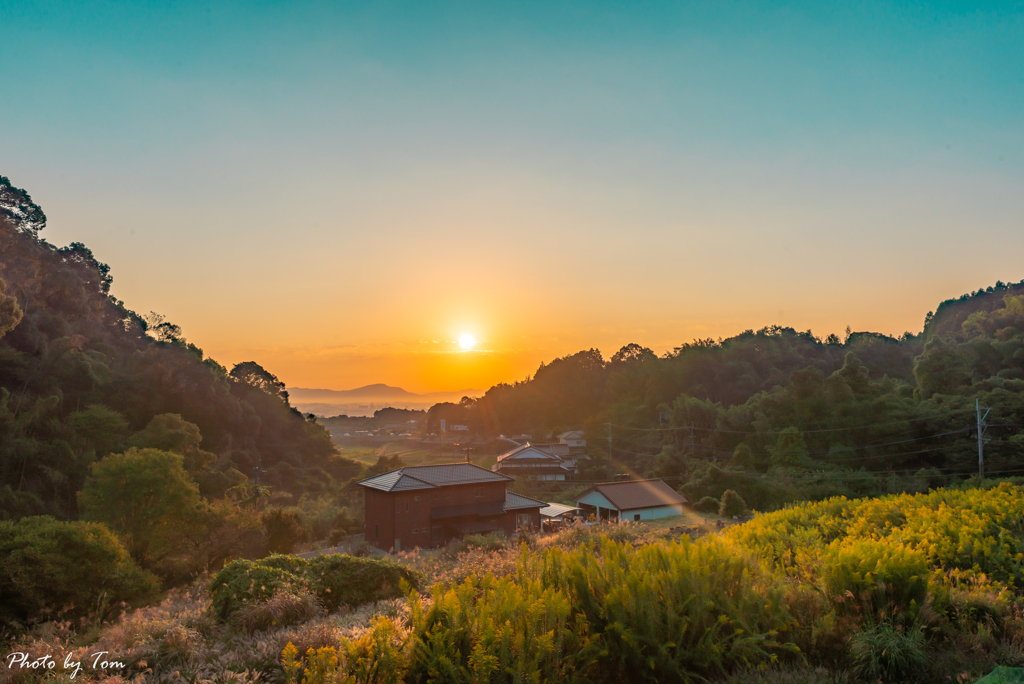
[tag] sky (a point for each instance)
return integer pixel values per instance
(340, 190)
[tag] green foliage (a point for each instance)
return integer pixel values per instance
(879, 576)
(170, 432)
(671, 612)
(380, 656)
(499, 630)
(343, 580)
(492, 541)
(889, 652)
(759, 492)
(100, 427)
(283, 529)
(789, 449)
(10, 312)
(78, 358)
(145, 496)
(708, 504)
(334, 579)
(72, 569)
(245, 582)
(732, 504)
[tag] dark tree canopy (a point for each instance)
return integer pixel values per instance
(17, 207)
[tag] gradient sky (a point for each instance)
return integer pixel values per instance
(339, 190)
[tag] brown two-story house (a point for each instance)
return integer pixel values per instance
(427, 506)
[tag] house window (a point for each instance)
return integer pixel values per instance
(636, 517)
(398, 506)
(407, 505)
(416, 498)
(479, 492)
(523, 520)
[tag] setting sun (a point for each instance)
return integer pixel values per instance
(467, 341)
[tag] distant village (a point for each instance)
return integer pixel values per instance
(426, 506)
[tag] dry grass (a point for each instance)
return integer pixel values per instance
(177, 640)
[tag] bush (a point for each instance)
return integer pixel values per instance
(340, 579)
(888, 652)
(492, 541)
(244, 582)
(78, 567)
(283, 529)
(732, 504)
(708, 504)
(876, 576)
(334, 579)
(762, 493)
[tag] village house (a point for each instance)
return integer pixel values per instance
(537, 462)
(559, 461)
(427, 506)
(573, 439)
(631, 500)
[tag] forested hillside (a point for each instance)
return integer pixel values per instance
(782, 414)
(83, 376)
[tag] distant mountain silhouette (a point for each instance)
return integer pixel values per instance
(364, 400)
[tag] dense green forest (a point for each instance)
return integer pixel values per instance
(785, 415)
(96, 401)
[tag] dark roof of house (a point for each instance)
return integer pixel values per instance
(529, 451)
(530, 466)
(515, 501)
(635, 494)
(431, 476)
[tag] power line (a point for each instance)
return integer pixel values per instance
(830, 451)
(775, 432)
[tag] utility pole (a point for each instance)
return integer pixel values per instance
(982, 425)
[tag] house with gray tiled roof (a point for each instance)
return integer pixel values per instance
(427, 506)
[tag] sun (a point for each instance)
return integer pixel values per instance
(467, 341)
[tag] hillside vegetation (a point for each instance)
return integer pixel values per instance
(780, 415)
(115, 418)
(903, 588)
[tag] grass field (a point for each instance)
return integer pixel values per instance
(369, 455)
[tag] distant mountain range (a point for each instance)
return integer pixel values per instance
(363, 401)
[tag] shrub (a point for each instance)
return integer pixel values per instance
(340, 579)
(378, 657)
(878, 576)
(732, 504)
(283, 529)
(492, 541)
(889, 652)
(499, 630)
(334, 579)
(641, 603)
(760, 492)
(147, 497)
(78, 567)
(708, 504)
(243, 582)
